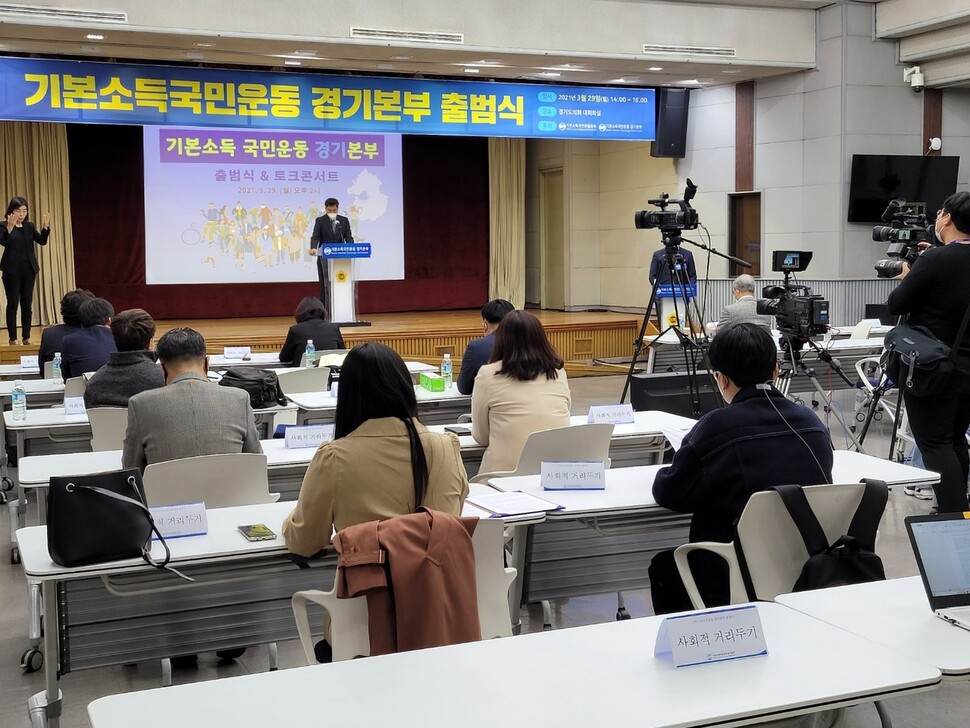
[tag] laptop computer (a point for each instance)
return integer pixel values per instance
(942, 547)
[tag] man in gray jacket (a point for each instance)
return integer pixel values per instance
(743, 310)
(190, 415)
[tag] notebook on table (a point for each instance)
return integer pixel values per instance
(942, 547)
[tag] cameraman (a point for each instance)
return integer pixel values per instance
(935, 293)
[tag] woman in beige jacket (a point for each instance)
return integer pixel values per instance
(381, 463)
(522, 390)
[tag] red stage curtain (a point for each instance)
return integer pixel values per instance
(445, 233)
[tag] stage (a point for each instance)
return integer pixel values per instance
(424, 336)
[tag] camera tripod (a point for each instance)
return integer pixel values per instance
(693, 341)
(884, 385)
(793, 366)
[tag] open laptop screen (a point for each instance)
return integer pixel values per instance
(942, 547)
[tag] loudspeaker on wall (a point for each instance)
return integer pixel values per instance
(671, 136)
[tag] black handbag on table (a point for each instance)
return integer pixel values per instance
(918, 362)
(100, 517)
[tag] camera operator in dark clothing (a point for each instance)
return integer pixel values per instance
(759, 440)
(935, 293)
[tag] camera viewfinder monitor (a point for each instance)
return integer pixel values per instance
(791, 260)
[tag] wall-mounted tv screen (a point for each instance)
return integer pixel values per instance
(879, 178)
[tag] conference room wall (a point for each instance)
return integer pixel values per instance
(445, 233)
(807, 127)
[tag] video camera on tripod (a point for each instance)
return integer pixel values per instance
(907, 228)
(669, 222)
(797, 313)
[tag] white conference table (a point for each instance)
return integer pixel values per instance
(641, 442)
(601, 674)
(433, 407)
(126, 611)
(602, 541)
(630, 489)
(894, 613)
(17, 371)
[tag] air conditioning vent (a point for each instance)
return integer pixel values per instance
(408, 36)
(651, 49)
(64, 15)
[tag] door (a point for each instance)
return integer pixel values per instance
(745, 232)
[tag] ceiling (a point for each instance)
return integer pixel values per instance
(81, 39)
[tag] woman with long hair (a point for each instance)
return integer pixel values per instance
(522, 390)
(382, 461)
(19, 263)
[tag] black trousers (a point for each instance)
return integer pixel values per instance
(323, 273)
(19, 288)
(667, 590)
(939, 423)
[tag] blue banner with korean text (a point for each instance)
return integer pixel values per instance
(346, 250)
(106, 93)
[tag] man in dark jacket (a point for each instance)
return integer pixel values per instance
(479, 351)
(759, 440)
(52, 339)
(88, 349)
(131, 369)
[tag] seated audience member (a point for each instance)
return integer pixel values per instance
(479, 351)
(131, 369)
(52, 339)
(759, 440)
(311, 324)
(522, 390)
(744, 308)
(190, 415)
(382, 461)
(87, 350)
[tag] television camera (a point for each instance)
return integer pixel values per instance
(797, 313)
(907, 228)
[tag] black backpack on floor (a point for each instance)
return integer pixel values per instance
(851, 559)
(263, 386)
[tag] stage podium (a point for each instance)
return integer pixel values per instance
(342, 266)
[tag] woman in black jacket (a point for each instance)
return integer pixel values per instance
(311, 324)
(19, 264)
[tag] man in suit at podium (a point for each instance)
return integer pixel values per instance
(328, 228)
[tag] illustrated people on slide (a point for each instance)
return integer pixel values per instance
(328, 228)
(300, 223)
(211, 216)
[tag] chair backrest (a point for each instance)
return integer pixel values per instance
(772, 546)
(575, 442)
(75, 386)
(108, 426)
(314, 379)
(49, 369)
(348, 617)
(233, 479)
(862, 329)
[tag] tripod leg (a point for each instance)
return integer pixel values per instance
(838, 415)
(638, 344)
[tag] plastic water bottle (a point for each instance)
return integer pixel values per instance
(56, 377)
(19, 398)
(311, 353)
(446, 370)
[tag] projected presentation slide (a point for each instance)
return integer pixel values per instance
(231, 206)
